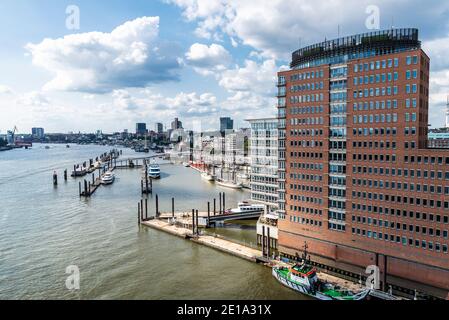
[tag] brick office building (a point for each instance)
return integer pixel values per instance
(357, 182)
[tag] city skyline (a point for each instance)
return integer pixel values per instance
(196, 60)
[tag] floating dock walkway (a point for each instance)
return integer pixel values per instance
(217, 243)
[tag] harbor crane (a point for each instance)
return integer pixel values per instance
(11, 136)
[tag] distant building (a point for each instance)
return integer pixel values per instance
(226, 124)
(38, 133)
(439, 139)
(176, 124)
(159, 128)
(141, 128)
(264, 161)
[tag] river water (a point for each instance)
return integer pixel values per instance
(44, 230)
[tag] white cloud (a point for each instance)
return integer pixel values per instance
(5, 90)
(207, 60)
(33, 99)
(438, 50)
(129, 56)
(149, 105)
(275, 27)
(122, 99)
(252, 77)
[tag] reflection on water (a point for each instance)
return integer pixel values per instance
(45, 229)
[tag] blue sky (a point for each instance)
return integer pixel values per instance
(143, 60)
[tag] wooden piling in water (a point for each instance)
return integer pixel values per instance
(208, 214)
(85, 187)
(146, 209)
(197, 224)
(141, 210)
(157, 206)
(79, 188)
(268, 243)
(263, 241)
(138, 214)
(146, 178)
(215, 207)
(219, 211)
(65, 175)
(55, 179)
(224, 203)
(173, 207)
(193, 221)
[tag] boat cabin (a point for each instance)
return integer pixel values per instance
(304, 274)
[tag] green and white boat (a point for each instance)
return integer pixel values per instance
(304, 279)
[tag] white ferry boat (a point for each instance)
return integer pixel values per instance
(246, 207)
(154, 171)
(108, 178)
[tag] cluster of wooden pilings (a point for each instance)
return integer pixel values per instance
(267, 243)
(88, 187)
(146, 184)
(142, 211)
(91, 186)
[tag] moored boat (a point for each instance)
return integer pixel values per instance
(229, 184)
(303, 278)
(207, 177)
(246, 207)
(154, 171)
(108, 178)
(186, 164)
(79, 172)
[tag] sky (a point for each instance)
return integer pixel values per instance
(107, 64)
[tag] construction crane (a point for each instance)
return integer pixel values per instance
(12, 134)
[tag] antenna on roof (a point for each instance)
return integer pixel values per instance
(447, 112)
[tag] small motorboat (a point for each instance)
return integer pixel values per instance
(108, 178)
(186, 164)
(154, 171)
(79, 172)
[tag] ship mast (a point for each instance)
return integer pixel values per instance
(447, 112)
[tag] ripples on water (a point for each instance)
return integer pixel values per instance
(45, 229)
